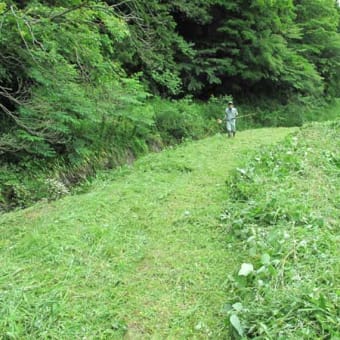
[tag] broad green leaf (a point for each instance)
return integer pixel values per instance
(246, 269)
(237, 306)
(265, 259)
(2, 7)
(236, 323)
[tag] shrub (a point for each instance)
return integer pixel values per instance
(182, 119)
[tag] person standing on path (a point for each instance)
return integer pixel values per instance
(230, 116)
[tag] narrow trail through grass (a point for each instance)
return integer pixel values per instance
(142, 255)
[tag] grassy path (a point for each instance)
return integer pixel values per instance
(140, 256)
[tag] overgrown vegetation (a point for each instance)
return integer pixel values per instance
(93, 84)
(122, 140)
(245, 48)
(283, 215)
(88, 85)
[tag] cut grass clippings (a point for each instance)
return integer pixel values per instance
(142, 254)
(283, 215)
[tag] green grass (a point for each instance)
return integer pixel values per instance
(327, 112)
(283, 218)
(142, 254)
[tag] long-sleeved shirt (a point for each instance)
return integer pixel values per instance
(231, 113)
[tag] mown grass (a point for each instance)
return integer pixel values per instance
(283, 215)
(142, 254)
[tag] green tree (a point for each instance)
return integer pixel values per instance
(59, 78)
(319, 24)
(246, 47)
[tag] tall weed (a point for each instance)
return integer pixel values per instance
(283, 215)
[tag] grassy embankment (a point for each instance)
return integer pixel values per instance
(169, 122)
(283, 219)
(143, 253)
(146, 254)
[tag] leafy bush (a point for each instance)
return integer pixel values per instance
(182, 119)
(262, 111)
(283, 213)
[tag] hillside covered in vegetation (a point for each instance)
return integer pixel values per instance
(211, 238)
(92, 84)
(196, 242)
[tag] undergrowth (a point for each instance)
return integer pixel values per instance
(151, 126)
(110, 143)
(283, 214)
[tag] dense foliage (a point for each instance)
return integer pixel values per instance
(283, 213)
(241, 47)
(77, 77)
